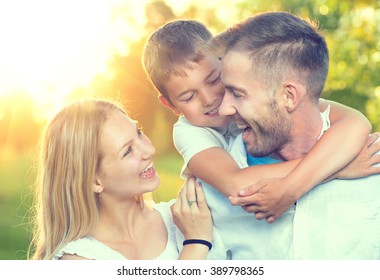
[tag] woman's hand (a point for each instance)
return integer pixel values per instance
(191, 213)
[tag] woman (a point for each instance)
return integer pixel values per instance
(96, 166)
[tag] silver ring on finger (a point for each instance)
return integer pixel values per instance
(190, 202)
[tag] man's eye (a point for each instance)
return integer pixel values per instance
(235, 94)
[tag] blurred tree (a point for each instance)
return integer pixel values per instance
(19, 128)
(352, 30)
(130, 86)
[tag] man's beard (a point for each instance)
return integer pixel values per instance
(272, 133)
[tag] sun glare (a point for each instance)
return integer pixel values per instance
(49, 48)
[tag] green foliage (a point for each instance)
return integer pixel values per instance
(15, 201)
(352, 30)
(16, 193)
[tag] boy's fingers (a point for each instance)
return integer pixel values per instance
(372, 138)
(261, 215)
(251, 189)
(375, 159)
(245, 201)
(373, 148)
(375, 170)
(253, 209)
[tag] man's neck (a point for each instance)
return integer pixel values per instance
(305, 133)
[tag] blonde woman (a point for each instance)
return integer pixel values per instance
(96, 166)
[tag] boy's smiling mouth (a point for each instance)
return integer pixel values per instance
(214, 112)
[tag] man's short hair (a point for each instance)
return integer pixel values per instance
(280, 44)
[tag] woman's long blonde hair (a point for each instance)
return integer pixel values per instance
(65, 205)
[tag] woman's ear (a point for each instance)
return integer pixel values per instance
(164, 101)
(97, 186)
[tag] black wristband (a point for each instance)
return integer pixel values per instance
(198, 241)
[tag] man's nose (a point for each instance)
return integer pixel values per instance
(227, 108)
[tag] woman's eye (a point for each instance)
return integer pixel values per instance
(128, 151)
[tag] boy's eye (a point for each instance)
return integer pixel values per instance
(139, 131)
(188, 98)
(216, 80)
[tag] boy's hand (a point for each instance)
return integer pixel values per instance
(267, 199)
(364, 163)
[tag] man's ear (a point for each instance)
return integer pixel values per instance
(164, 101)
(293, 94)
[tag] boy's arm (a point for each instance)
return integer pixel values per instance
(331, 153)
(207, 159)
(216, 167)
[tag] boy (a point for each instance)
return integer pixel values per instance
(183, 66)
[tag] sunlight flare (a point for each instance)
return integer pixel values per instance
(49, 48)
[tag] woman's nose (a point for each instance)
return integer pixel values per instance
(147, 149)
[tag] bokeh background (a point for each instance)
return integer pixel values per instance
(55, 51)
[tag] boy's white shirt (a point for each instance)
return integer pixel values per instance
(189, 139)
(293, 235)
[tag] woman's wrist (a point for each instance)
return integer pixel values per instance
(198, 241)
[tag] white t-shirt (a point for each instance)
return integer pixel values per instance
(189, 140)
(90, 248)
(336, 220)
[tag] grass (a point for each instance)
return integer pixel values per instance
(14, 202)
(16, 178)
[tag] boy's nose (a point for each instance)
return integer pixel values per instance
(208, 99)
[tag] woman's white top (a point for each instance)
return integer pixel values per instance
(90, 248)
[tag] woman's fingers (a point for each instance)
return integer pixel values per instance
(190, 192)
(202, 204)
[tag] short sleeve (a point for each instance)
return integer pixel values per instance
(89, 248)
(190, 140)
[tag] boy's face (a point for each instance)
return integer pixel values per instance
(198, 94)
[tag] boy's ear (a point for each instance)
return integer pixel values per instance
(164, 101)
(293, 94)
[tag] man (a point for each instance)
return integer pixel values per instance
(274, 69)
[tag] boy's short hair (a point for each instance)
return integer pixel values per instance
(220, 42)
(172, 48)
